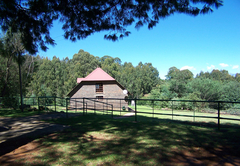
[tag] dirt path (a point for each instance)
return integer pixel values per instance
(15, 132)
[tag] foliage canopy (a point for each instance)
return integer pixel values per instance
(34, 18)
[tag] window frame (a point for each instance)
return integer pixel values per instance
(100, 98)
(99, 88)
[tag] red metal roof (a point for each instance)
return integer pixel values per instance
(79, 80)
(97, 75)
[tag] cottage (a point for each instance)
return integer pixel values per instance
(100, 86)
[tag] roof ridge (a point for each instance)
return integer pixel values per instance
(97, 75)
(100, 72)
(92, 72)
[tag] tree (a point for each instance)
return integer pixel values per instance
(84, 63)
(12, 47)
(127, 77)
(8, 74)
(207, 89)
(147, 77)
(237, 77)
(34, 18)
(178, 80)
(203, 75)
(172, 72)
(221, 75)
(231, 91)
(41, 79)
(111, 66)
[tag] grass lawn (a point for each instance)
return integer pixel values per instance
(14, 113)
(100, 140)
(142, 112)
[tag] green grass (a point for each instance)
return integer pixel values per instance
(101, 112)
(14, 113)
(144, 113)
(100, 140)
(141, 116)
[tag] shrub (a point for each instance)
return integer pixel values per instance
(176, 104)
(10, 102)
(235, 109)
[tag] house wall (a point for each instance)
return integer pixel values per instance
(110, 90)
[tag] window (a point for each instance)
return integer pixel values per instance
(99, 97)
(99, 87)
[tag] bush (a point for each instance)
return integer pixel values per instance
(176, 104)
(235, 109)
(10, 102)
(192, 105)
(142, 102)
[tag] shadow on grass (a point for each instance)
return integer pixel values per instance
(8, 112)
(99, 140)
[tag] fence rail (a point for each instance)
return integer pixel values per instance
(197, 111)
(218, 110)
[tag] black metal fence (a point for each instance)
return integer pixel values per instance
(91, 104)
(218, 112)
(215, 112)
(111, 106)
(212, 112)
(52, 103)
(48, 103)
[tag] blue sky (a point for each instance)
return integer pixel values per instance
(201, 43)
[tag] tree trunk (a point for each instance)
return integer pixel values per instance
(20, 80)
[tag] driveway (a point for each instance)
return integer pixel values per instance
(15, 132)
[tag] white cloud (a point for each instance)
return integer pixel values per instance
(188, 67)
(211, 67)
(223, 65)
(235, 67)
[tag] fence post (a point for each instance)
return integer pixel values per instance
(94, 107)
(194, 104)
(107, 106)
(86, 108)
(135, 109)
(193, 115)
(66, 107)
(83, 106)
(112, 111)
(153, 107)
(55, 103)
(38, 104)
(120, 107)
(218, 115)
(172, 110)
(76, 106)
(45, 103)
(103, 109)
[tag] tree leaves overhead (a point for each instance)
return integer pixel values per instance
(34, 18)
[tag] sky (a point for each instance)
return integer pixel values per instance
(201, 43)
